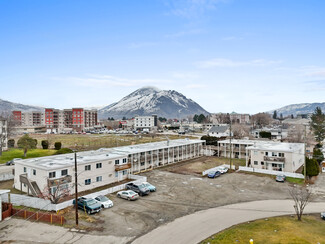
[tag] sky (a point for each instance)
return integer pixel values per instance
(246, 56)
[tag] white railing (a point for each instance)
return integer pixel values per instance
(38, 203)
(271, 172)
(216, 168)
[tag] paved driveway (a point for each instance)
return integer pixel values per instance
(196, 227)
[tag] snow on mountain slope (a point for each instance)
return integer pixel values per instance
(7, 107)
(295, 109)
(150, 100)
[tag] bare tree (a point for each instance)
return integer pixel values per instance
(221, 118)
(240, 130)
(301, 195)
(3, 134)
(261, 119)
(56, 193)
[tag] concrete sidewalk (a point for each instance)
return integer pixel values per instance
(196, 227)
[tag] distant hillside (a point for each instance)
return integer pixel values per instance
(302, 108)
(150, 100)
(7, 107)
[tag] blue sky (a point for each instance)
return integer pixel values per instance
(227, 55)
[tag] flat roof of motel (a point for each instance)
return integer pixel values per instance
(268, 145)
(67, 160)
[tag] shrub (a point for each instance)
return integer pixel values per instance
(11, 143)
(211, 140)
(57, 145)
(64, 151)
(45, 144)
(312, 167)
(265, 134)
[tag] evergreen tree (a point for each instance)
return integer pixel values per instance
(318, 124)
(275, 115)
(195, 118)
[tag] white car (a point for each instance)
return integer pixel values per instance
(128, 195)
(222, 169)
(104, 201)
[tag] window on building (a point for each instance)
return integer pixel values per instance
(125, 172)
(52, 174)
(124, 160)
(117, 161)
(274, 154)
(116, 174)
(142, 163)
(34, 171)
(262, 163)
(25, 170)
(255, 162)
(266, 153)
(87, 182)
(64, 172)
(99, 178)
(281, 154)
(98, 165)
(87, 167)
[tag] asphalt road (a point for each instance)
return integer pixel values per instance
(196, 227)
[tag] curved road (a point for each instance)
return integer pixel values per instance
(196, 227)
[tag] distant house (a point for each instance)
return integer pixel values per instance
(146, 122)
(219, 131)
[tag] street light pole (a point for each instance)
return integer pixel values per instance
(76, 186)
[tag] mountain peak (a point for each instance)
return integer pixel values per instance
(151, 100)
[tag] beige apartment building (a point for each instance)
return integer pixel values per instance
(268, 155)
(100, 167)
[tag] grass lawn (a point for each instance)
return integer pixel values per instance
(19, 153)
(284, 230)
(96, 141)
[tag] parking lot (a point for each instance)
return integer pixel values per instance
(178, 195)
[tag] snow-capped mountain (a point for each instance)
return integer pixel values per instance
(6, 106)
(150, 100)
(301, 108)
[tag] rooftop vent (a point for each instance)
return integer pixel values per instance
(107, 155)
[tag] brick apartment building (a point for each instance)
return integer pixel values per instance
(55, 120)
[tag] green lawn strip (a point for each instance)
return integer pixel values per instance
(19, 153)
(284, 230)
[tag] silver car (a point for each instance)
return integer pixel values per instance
(128, 194)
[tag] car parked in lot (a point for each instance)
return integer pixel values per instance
(12, 161)
(222, 169)
(105, 202)
(88, 204)
(149, 186)
(128, 195)
(138, 188)
(322, 215)
(214, 174)
(280, 178)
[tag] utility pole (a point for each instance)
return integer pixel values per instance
(76, 186)
(230, 145)
(305, 152)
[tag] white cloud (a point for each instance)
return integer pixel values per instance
(227, 63)
(94, 80)
(142, 44)
(195, 86)
(191, 8)
(184, 33)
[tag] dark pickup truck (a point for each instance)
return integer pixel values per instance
(87, 204)
(140, 189)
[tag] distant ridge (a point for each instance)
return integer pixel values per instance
(301, 108)
(7, 107)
